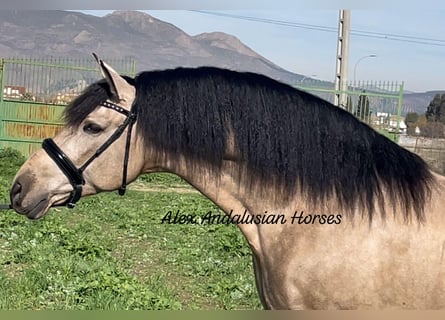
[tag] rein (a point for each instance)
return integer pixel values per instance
(74, 174)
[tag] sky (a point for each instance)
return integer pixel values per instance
(420, 66)
(417, 58)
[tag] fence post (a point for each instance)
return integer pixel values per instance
(133, 68)
(399, 112)
(2, 78)
(2, 109)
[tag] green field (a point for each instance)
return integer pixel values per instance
(113, 253)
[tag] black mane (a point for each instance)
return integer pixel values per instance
(286, 138)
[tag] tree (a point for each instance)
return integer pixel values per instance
(435, 111)
(430, 129)
(411, 117)
(362, 112)
(349, 104)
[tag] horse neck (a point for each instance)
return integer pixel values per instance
(222, 188)
(218, 185)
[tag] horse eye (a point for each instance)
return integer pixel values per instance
(92, 128)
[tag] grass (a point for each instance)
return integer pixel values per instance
(390, 135)
(113, 253)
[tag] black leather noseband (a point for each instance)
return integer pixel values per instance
(74, 174)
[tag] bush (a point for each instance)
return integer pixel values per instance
(10, 161)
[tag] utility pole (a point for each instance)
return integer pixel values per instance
(341, 68)
(2, 64)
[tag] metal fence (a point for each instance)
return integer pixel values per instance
(432, 150)
(378, 103)
(34, 92)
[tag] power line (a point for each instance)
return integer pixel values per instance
(354, 32)
(400, 36)
(394, 38)
(270, 21)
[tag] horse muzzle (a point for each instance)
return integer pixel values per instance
(33, 208)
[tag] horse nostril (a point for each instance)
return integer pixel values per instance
(16, 188)
(15, 192)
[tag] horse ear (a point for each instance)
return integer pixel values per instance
(120, 88)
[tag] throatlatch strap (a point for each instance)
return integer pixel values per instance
(123, 187)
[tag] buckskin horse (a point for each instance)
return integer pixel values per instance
(361, 219)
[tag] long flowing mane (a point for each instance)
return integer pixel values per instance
(284, 137)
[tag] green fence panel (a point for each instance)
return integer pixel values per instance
(25, 125)
(34, 93)
(377, 103)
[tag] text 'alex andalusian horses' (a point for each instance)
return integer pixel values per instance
(360, 219)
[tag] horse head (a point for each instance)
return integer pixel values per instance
(88, 155)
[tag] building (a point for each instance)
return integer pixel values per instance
(13, 92)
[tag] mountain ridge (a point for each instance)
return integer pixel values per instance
(155, 44)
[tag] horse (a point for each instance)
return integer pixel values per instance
(337, 216)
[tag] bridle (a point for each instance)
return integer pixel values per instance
(74, 174)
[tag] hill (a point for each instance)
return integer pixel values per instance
(153, 43)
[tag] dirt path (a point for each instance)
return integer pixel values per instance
(177, 188)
